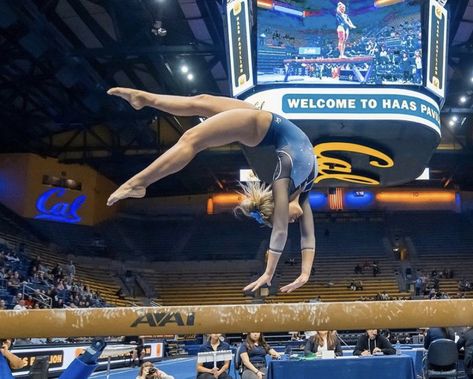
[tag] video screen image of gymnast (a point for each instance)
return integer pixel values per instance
(284, 201)
(344, 42)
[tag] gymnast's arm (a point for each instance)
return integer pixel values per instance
(306, 224)
(350, 24)
(278, 239)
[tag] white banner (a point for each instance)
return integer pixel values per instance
(350, 104)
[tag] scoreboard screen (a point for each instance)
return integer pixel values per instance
(339, 42)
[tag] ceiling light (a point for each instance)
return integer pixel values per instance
(454, 118)
(184, 69)
(463, 99)
(190, 76)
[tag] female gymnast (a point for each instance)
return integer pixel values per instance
(343, 28)
(231, 120)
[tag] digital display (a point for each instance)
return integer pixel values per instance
(339, 42)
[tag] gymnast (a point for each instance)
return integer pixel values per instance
(343, 28)
(230, 120)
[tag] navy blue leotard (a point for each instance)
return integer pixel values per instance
(296, 159)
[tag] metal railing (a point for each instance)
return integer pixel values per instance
(38, 296)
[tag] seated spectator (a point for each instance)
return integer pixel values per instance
(358, 269)
(371, 342)
(253, 356)
(323, 340)
(148, 371)
(11, 257)
(207, 370)
(358, 285)
(2, 305)
(352, 285)
(20, 306)
(436, 334)
(375, 269)
(13, 361)
(466, 342)
(14, 283)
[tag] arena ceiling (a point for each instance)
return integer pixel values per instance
(58, 57)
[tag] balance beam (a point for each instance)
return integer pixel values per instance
(235, 318)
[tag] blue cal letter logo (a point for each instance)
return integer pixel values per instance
(62, 212)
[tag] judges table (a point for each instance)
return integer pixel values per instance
(382, 367)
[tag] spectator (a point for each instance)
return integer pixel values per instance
(2, 305)
(253, 356)
(405, 67)
(358, 269)
(71, 270)
(14, 283)
(371, 342)
(148, 371)
(323, 340)
(20, 306)
(375, 269)
(418, 285)
(207, 370)
(436, 334)
(466, 342)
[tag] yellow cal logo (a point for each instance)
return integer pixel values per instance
(339, 169)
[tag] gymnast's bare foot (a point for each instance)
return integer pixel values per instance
(124, 191)
(135, 97)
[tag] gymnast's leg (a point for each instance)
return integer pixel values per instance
(247, 126)
(200, 105)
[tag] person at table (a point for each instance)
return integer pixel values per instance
(434, 334)
(371, 342)
(323, 340)
(466, 342)
(206, 370)
(253, 356)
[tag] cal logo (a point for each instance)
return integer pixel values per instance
(163, 318)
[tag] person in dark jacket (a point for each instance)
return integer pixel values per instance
(371, 342)
(466, 342)
(323, 340)
(434, 334)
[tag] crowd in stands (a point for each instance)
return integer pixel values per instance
(429, 285)
(32, 284)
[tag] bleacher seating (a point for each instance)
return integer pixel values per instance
(440, 239)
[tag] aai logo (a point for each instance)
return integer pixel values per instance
(60, 211)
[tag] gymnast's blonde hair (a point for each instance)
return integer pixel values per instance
(257, 197)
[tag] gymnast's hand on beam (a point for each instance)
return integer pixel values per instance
(299, 282)
(261, 281)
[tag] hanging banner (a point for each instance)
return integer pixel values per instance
(239, 45)
(437, 49)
